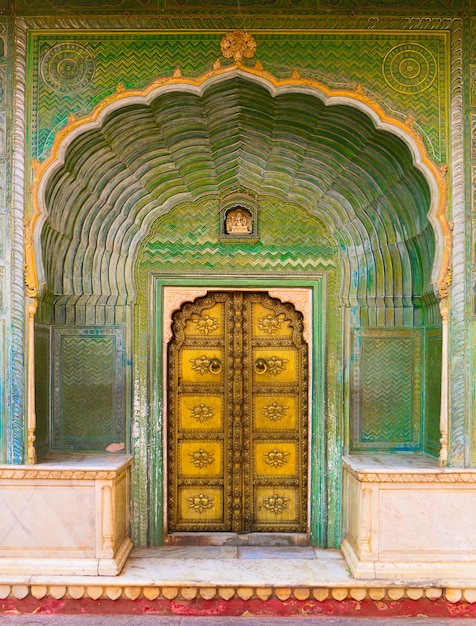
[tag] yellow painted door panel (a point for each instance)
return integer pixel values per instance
(237, 416)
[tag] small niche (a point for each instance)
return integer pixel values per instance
(239, 218)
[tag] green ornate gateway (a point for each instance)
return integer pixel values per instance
(340, 206)
(336, 125)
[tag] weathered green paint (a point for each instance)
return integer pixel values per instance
(432, 391)
(335, 197)
(116, 180)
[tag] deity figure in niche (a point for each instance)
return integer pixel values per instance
(238, 222)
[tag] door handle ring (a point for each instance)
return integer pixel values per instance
(215, 366)
(261, 366)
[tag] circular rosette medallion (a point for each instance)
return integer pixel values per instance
(67, 67)
(409, 68)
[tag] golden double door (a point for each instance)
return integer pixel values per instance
(237, 411)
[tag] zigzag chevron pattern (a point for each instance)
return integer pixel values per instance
(87, 388)
(387, 389)
(135, 60)
(174, 244)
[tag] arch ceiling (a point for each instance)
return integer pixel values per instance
(112, 176)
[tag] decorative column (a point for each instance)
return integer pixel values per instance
(32, 304)
(443, 458)
(16, 393)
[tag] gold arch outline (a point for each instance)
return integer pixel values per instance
(345, 96)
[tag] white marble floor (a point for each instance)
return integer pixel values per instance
(228, 566)
(240, 565)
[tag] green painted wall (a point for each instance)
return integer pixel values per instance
(403, 55)
(404, 73)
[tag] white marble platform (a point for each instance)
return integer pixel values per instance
(406, 518)
(66, 514)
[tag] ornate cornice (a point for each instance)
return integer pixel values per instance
(35, 472)
(254, 22)
(412, 475)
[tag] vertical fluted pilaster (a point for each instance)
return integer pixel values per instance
(16, 422)
(458, 441)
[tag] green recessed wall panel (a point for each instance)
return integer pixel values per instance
(386, 391)
(89, 388)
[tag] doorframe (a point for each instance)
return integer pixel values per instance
(316, 283)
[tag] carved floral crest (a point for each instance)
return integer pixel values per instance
(200, 503)
(275, 503)
(238, 45)
(201, 458)
(206, 324)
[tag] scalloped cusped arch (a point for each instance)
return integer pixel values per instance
(114, 175)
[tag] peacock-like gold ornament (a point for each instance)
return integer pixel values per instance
(238, 45)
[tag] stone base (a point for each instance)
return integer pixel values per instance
(236, 581)
(68, 515)
(57, 566)
(407, 519)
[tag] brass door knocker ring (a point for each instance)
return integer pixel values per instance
(215, 366)
(261, 366)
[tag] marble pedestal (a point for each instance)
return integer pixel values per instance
(405, 519)
(67, 515)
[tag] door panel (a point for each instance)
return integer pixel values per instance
(237, 405)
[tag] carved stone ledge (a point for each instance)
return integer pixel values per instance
(396, 516)
(25, 473)
(409, 472)
(177, 594)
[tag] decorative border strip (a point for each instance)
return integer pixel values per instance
(278, 21)
(458, 424)
(20, 474)
(16, 425)
(319, 594)
(436, 476)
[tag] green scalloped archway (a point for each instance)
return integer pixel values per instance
(134, 190)
(141, 156)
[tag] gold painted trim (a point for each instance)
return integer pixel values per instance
(443, 280)
(31, 408)
(31, 280)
